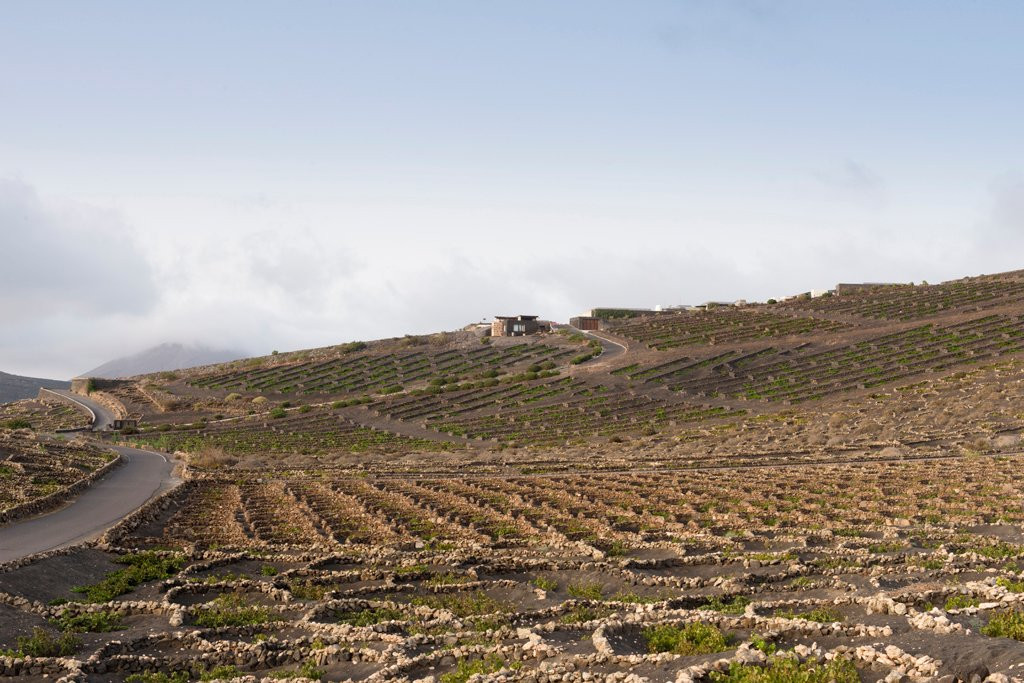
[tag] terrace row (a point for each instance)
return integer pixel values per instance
(689, 328)
(807, 373)
(552, 412)
(307, 430)
(600, 510)
(33, 467)
(909, 302)
(368, 373)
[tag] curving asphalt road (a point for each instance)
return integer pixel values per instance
(103, 417)
(609, 349)
(140, 476)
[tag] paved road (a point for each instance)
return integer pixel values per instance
(609, 349)
(140, 476)
(103, 416)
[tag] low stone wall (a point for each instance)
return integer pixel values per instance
(147, 513)
(24, 561)
(93, 388)
(57, 498)
(164, 401)
(52, 396)
(111, 402)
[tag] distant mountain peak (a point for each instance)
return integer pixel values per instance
(17, 388)
(166, 356)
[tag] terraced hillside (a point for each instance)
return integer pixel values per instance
(720, 326)
(840, 572)
(911, 302)
(820, 489)
(37, 472)
(387, 372)
(43, 416)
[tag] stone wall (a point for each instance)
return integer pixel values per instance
(45, 395)
(57, 498)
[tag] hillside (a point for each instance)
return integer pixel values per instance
(820, 489)
(162, 358)
(718, 372)
(17, 388)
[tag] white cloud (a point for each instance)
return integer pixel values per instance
(271, 273)
(62, 258)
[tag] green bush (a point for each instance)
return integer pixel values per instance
(545, 583)
(369, 617)
(467, 668)
(691, 639)
(159, 677)
(585, 590)
(17, 423)
(307, 670)
(91, 622)
(1010, 585)
(352, 347)
(231, 610)
(784, 669)
(735, 606)
(218, 672)
(142, 567)
(1008, 624)
(999, 551)
(463, 604)
(960, 602)
(42, 643)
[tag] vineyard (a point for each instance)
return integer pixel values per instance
(597, 513)
(818, 490)
(43, 416)
(305, 430)
(389, 372)
(907, 302)
(870, 572)
(555, 412)
(714, 327)
(34, 468)
(807, 372)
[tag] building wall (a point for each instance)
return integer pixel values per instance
(586, 323)
(514, 328)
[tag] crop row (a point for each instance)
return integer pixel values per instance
(32, 467)
(689, 328)
(432, 407)
(807, 373)
(577, 420)
(909, 302)
(605, 510)
(42, 416)
(550, 412)
(316, 430)
(370, 373)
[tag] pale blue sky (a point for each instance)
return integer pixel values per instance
(288, 174)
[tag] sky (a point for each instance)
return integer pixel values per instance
(262, 175)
